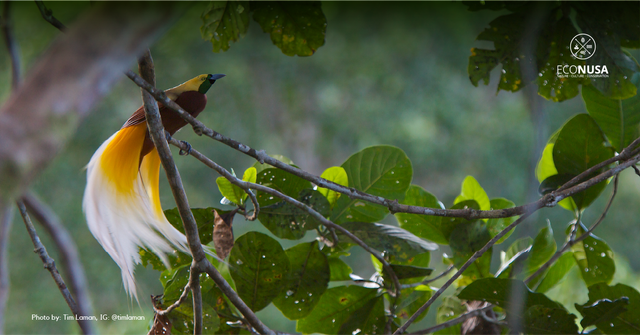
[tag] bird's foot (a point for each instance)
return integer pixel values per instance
(187, 151)
(167, 135)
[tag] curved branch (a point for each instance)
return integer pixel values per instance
(462, 318)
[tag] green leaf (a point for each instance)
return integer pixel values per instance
(174, 282)
(287, 221)
(498, 291)
(297, 28)
(595, 259)
(204, 219)
(224, 22)
(546, 169)
(260, 268)
(383, 171)
(449, 224)
(339, 269)
(556, 272)
(550, 85)
(517, 253)
(232, 192)
(602, 311)
(505, 32)
(307, 281)
(471, 190)
(544, 320)
(411, 300)
(624, 323)
(181, 318)
(450, 308)
(408, 271)
(279, 180)
(334, 308)
(396, 243)
(368, 319)
(581, 145)
(495, 226)
(217, 300)
(424, 226)
(337, 175)
(544, 246)
(618, 119)
(465, 240)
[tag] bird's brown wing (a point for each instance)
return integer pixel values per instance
(136, 118)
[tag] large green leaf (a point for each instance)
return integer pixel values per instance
(495, 226)
(335, 307)
(544, 246)
(449, 224)
(579, 146)
(297, 28)
(602, 311)
(471, 190)
(556, 272)
(517, 253)
(216, 299)
(411, 300)
(181, 318)
(287, 221)
(259, 268)
(594, 258)
(307, 281)
(552, 321)
(368, 319)
(383, 171)
(425, 226)
(618, 119)
(465, 240)
(396, 243)
(546, 170)
(224, 22)
(337, 175)
(339, 269)
(624, 323)
(498, 291)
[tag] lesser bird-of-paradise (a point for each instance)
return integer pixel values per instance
(121, 200)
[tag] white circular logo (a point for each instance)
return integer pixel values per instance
(583, 46)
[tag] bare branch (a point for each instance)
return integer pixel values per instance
(68, 253)
(48, 262)
(197, 299)
(572, 241)
(453, 322)
(47, 14)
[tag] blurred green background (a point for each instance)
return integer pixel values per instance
(389, 73)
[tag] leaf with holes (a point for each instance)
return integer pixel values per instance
(383, 171)
(260, 268)
(308, 279)
(287, 221)
(334, 308)
(368, 319)
(297, 28)
(424, 226)
(602, 311)
(224, 22)
(595, 259)
(552, 321)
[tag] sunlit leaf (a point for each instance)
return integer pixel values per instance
(337, 175)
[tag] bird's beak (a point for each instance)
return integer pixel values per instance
(215, 77)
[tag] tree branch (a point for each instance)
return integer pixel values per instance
(48, 16)
(68, 253)
(462, 318)
(572, 241)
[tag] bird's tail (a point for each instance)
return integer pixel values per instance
(122, 203)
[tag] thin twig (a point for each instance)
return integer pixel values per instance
(47, 14)
(197, 298)
(12, 46)
(177, 303)
(572, 241)
(462, 318)
(69, 256)
(48, 262)
(244, 184)
(429, 280)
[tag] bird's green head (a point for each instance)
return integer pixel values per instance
(207, 81)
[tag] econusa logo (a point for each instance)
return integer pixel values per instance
(582, 47)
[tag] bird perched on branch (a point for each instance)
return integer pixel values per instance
(121, 200)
